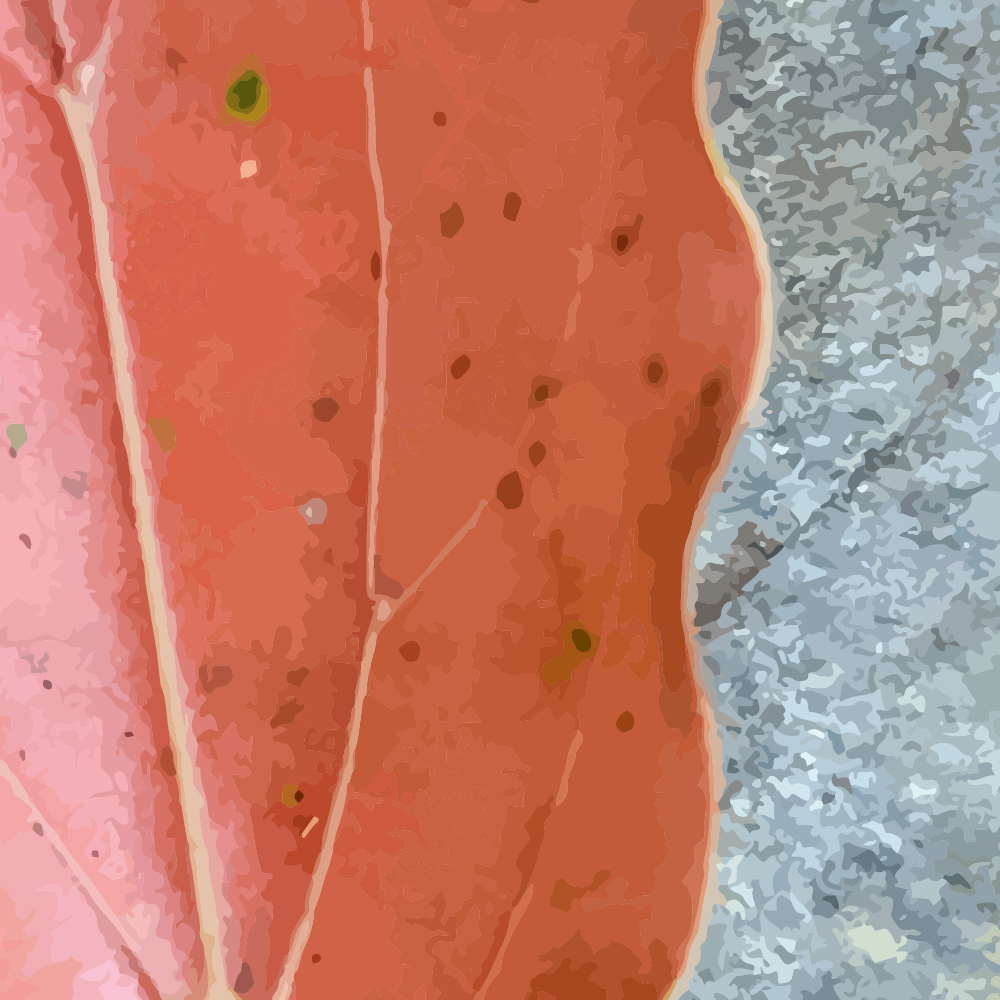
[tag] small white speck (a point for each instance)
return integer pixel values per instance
(248, 168)
(383, 610)
(309, 512)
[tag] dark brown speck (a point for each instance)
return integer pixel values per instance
(511, 206)
(536, 453)
(325, 409)
(510, 492)
(409, 651)
(452, 220)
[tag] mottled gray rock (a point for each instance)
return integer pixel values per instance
(848, 602)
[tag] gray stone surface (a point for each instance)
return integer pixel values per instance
(848, 601)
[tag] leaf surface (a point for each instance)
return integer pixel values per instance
(475, 498)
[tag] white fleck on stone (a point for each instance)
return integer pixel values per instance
(248, 168)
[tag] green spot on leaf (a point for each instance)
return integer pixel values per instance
(17, 435)
(163, 431)
(247, 97)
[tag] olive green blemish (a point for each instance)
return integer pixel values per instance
(579, 644)
(247, 97)
(17, 436)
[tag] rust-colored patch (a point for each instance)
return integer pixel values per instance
(452, 220)
(510, 492)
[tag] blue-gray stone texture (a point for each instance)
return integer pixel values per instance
(848, 567)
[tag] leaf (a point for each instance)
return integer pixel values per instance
(434, 411)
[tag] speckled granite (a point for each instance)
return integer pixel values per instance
(849, 565)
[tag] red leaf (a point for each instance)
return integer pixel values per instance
(423, 483)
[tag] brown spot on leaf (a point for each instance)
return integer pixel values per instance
(543, 388)
(511, 206)
(440, 118)
(25, 539)
(460, 366)
(376, 266)
(536, 453)
(654, 371)
(712, 393)
(409, 651)
(625, 722)
(510, 492)
(452, 220)
(325, 409)
(625, 237)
